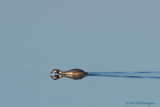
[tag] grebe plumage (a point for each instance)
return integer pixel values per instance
(69, 72)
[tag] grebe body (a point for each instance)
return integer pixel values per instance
(73, 72)
(70, 72)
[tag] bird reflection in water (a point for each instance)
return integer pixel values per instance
(77, 74)
(67, 76)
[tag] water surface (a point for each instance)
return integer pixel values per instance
(103, 37)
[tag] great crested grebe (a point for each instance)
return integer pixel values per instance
(69, 72)
(79, 74)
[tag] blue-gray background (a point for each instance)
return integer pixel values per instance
(37, 36)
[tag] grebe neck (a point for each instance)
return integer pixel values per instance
(61, 72)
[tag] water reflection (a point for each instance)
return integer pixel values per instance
(145, 74)
(75, 77)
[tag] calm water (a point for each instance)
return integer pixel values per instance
(36, 88)
(116, 41)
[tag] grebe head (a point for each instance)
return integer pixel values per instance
(56, 71)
